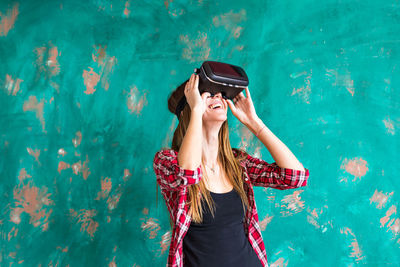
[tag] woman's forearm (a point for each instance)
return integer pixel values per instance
(279, 151)
(190, 152)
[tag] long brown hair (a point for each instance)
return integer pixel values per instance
(230, 164)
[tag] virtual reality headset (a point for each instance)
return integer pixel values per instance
(215, 77)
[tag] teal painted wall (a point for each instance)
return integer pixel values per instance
(84, 87)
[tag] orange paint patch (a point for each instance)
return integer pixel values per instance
(127, 174)
(304, 91)
(12, 86)
(33, 105)
(135, 101)
(23, 175)
(77, 140)
(76, 167)
(33, 201)
(106, 185)
(113, 201)
(85, 219)
(35, 153)
(47, 62)
(90, 80)
(52, 62)
(280, 262)
(356, 250)
(237, 32)
(292, 203)
(145, 211)
(197, 49)
(62, 152)
(126, 10)
(356, 167)
(106, 64)
(79, 168)
(342, 80)
(8, 20)
(230, 20)
(314, 218)
(391, 211)
(151, 226)
(62, 166)
(85, 168)
(166, 3)
(112, 263)
(389, 126)
(264, 222)
(380, 198)
(165, 241)
(13, 233)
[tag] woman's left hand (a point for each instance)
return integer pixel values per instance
(242, 107)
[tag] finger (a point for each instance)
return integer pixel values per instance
(196, 80)
(241, 95)
(248, 92)
(191, 78)
(230, 104)
(191, 81)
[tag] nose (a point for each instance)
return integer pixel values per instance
(217, 94)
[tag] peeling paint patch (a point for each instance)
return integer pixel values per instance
(197, 49)
(136, 101)
(356, 167)
(389, 126)
(33, 201)
(32, 104)
(8, 19)
(292, 204)
(380, 198)
(12, 86)
(86, 221)
(356, 251)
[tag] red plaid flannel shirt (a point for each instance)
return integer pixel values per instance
(174, 182)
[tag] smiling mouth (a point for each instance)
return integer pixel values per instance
(216, 106)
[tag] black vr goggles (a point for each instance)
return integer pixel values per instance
(215, 77)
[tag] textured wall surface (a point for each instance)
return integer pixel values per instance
(83, 109)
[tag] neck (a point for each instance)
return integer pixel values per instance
(210, 143)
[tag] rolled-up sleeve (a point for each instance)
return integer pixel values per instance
(262, 173)
(170, 175)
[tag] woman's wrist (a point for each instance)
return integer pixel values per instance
(256, 125)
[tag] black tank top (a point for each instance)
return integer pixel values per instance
(220, 241)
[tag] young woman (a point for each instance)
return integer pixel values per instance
(208, 185)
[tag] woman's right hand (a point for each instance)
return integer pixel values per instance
(192, 94)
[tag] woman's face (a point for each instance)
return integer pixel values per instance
(216, 108)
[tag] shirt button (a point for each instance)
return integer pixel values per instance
(246, 179)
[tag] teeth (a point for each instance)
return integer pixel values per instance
(214, 106)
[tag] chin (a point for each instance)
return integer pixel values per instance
(216, 118)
